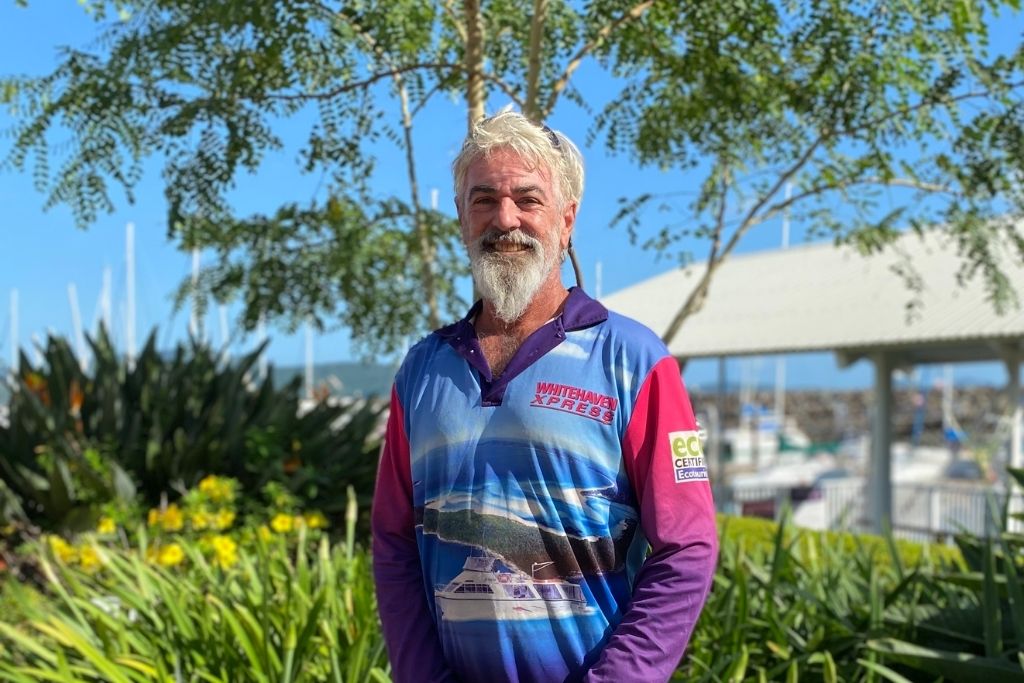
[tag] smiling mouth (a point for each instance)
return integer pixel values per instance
(504, 247)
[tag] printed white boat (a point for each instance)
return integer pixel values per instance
(483, 591)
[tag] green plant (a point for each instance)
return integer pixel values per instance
(977, 632)
(53, 472)
(77, 440)
(754, 533)
(790, 604)
(287, 610)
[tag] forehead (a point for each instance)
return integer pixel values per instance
(506, 167)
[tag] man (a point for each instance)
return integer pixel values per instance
(534, 452)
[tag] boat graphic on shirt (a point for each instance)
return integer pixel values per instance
(487, 590)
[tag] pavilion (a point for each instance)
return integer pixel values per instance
(823, 297)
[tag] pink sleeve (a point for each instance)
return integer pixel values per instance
(409, 632)
(666, 467)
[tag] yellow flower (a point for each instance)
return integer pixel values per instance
(200, 520)
(315, 520)
(106, 526)
(217, 489)
(89, 559)
(223, 519)
(170, 555)
(62, 550)
(282, 523)
(225, 551)
(264, 533)
(154, 517)
(172, 519)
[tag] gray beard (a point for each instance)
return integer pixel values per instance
(510, 281)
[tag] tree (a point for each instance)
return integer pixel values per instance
(894, 113)
(203, 85)
(841, 99)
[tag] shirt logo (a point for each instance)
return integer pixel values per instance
(687, 457)
(575, 400)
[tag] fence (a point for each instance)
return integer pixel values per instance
(921, 512)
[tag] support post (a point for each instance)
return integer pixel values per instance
(309, 388)
(720, 425)
(879, 492)
(935, 514)
(1015, 456)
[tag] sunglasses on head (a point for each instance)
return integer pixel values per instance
(553, 137)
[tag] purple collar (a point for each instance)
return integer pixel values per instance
(580, 311)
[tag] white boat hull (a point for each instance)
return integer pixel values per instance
(476, 608)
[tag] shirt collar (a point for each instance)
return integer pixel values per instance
(580, 311)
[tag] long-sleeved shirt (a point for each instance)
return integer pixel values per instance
(553, 523)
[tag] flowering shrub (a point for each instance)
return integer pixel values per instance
(206, 520)
(179, 599)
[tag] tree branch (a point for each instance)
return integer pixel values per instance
(426, 98)
(391, 73)
(695, 301)
(777, 208)
(460, 28)
(923, 104)
(426, 245)
(602, 35)
(699, 293)
(427, 252)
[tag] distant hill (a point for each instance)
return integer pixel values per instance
(349, 379)
(823, 414)
(356, 379)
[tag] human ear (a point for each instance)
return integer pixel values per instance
(568, 223)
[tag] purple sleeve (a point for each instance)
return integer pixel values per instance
(666, 467)
(409, 632)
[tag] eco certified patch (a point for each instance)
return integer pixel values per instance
(687, 457)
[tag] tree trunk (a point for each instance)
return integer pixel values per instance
(476, 95)
(422, 233)
(532, 108)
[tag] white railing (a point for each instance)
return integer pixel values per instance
(923, 512)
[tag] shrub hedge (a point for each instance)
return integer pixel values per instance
(169, 603)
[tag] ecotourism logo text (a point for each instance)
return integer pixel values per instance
(687, 457)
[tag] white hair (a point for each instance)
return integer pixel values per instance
(538, 145)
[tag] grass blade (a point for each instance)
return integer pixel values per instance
(884, 671)
(955, 666)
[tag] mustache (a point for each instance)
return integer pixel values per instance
(494, 236)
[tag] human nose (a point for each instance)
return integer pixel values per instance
(506, 217)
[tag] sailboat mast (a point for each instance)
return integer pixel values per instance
(14, 330)
(129, 323)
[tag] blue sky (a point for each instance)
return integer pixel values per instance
(41, 252)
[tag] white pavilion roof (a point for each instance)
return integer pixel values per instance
(820, 297)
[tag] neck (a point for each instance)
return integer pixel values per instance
(545, 305)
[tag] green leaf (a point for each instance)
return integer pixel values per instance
(955, 666)
(991, 605)
(884, 671)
